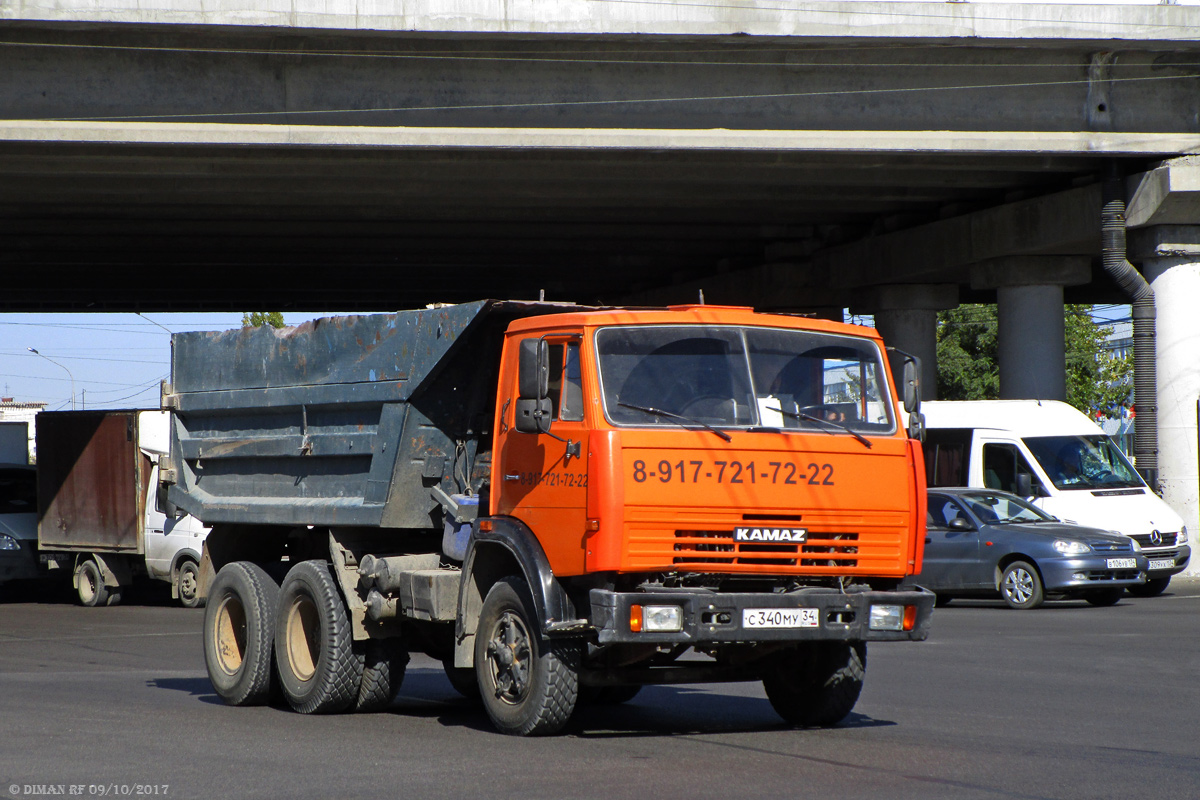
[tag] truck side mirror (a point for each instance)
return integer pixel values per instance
(533, 370)
(908, 378)
(911, 384)
(164, 505)
(533, 409)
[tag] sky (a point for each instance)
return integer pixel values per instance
(111, 360)
(118, 360)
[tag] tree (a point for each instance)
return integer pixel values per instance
(261, 319)
(968, 368)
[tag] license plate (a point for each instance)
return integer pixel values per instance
(1121, 563)
(1167, 564)
(781, 618)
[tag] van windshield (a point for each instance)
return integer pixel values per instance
(728, 376)
(1083, 462)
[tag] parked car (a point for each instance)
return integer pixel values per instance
(18, 523)
(981, 542)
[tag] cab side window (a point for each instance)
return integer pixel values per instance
(571, 408)
(1002, 464)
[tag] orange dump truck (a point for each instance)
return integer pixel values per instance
(561, 504)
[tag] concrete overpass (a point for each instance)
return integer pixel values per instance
(890, 157)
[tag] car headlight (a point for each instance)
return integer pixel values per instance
(8, 543)
(1181, 537)
(1071, 548)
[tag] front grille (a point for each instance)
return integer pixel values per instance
(1168, 540)
(1112, 547)
(696, 547)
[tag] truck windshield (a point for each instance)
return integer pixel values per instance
(743, 377)
(1083, 462)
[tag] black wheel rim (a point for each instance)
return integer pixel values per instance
(510, 657)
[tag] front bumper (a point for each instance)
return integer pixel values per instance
(1091, 572)
(1178, 556)
(19, 565)
(713, 617)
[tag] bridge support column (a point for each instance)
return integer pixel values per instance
(1029, 307)
(906, 318)
(1170, 259)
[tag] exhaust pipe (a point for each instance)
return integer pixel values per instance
(1116, 264)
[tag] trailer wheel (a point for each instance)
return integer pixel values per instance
(384, 662)
(239, 628)
(528, 684)
(818, 684)
(91, 588)
(318, 668)
(187, 584)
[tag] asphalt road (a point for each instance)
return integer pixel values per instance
(1068, 701)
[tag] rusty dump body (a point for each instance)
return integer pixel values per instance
(343, 421)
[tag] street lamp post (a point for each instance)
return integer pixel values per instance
(55, 363)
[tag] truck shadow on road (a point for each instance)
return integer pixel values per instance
(656, 711)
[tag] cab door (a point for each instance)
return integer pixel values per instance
(543, 477)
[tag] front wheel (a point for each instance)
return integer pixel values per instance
(1151, 588)
(187, 584)
(1021, 586)
(319, 670)
(528, 684)
(816, 684)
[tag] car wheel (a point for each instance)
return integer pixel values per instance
(1021, 586)
(1151, 588)
(1104, 597)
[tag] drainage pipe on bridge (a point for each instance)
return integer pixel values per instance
(1116, 264)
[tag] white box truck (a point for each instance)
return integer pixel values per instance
(99, 515)
(1052, 454)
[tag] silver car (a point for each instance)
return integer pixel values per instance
(982, 542)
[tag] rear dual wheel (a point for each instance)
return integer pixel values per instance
(239, 632)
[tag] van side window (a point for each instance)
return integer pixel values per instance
(1002, 465)
(946, 456)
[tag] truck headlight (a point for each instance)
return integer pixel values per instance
(658, 619)
(8, 543)
(1069, 547)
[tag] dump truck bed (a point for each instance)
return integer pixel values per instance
(340, 421)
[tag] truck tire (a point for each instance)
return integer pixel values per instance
(319, 671)
(528, 684)
(187, 584)
(384, 663)
(91, 588)
(1151, 588)
(816, 684)
(239, 631)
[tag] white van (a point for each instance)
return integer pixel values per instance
(1054, 455)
